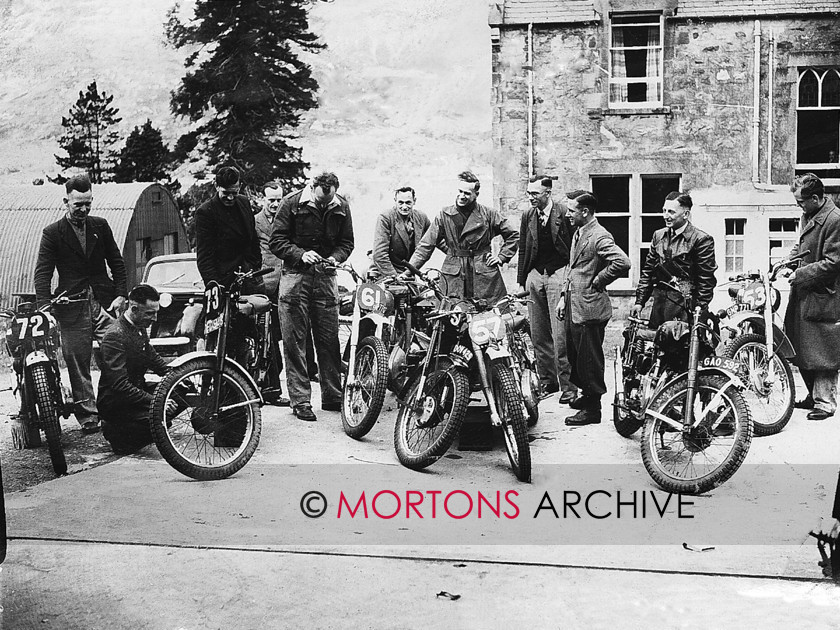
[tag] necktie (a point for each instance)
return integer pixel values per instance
(575, 240)
(544, 218)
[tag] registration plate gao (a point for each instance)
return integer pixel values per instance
(213, 324)
(724, 363)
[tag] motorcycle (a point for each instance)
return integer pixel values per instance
(468, 350)
(33, 341)
(760, 346)
(206, 418)
(525, 360)
(696, 422)
(385, 314)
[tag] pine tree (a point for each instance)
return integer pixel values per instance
(89, 136)
(246, 86)
(144, 158)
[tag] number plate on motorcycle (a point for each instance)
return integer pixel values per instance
(213, 324)
(737, 308)
(731, 365)
(213, 302)
(30, 327)
(372, 297)
(486, 327)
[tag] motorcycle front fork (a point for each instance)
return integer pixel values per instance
(486, 385)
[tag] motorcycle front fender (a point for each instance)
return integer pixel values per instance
(494, 353)
(35, 357)
(200, 354)
(731, 377)
(372, 324)
(781, 344)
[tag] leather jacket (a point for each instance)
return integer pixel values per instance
(691, 259)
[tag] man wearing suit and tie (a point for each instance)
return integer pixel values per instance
(78, 246)
(595, 262)
(398, 232)
(544, 240)
(682, 255)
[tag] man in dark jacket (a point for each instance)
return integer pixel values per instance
(813, 309)
(464, 232)
(544, 239)
(682, 255)
(79, 246)
(398, 232)
(225, 236)
(312, 226)
(124, 397)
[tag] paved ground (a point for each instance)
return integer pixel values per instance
(132, 544)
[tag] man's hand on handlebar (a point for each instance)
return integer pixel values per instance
(636, 310)
(311, 257)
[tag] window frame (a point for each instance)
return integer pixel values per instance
(820, 72)
(644, 19)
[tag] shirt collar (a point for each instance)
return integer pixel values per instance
(681, 230)
(546, 212)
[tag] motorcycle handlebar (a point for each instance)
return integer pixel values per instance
(412, 268)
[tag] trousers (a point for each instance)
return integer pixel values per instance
(822, 386)
(548, 333)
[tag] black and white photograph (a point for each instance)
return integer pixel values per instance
(419, 314)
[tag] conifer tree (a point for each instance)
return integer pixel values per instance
(89, 136)
(246, 87)
(144, 158)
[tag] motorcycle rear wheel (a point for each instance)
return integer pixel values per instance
(712, 452)
(771, 411)
(424, 431)
(361, 404)
(197, 441)
(48, 415)
(512, 412)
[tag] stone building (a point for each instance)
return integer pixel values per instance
(727, 99)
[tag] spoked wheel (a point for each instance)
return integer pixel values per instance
(512, 411)
(704, 457)
(48, 414)
(425, 429)
(770, 406)
(625, 421)
(197, 440)
(362, 401)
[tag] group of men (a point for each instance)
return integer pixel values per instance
(567, 259)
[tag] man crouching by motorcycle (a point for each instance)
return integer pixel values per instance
(124, 396)
(679, 254)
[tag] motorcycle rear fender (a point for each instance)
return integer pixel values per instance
(782, 345)
(35, 357)
(200, 354)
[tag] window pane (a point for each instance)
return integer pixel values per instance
(808, 89)
(650, 225)
(613, 193)
(816, 135)
(619, 227)
(831, 89)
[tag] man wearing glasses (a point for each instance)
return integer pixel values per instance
(545, 236)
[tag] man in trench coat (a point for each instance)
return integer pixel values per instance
(463, 232)
(813, 310)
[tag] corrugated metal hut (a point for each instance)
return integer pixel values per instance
(143, 217)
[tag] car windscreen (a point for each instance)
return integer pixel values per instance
(172, 274)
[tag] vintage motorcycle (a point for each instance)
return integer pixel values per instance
(525, 360)
(385, 315)
(467, 351)
(206, 418)
(697, 425)
(759, 344)
(33, 342)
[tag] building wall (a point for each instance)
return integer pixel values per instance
(703, 132)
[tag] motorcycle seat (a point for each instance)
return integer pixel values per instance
(254, 304)
(645, 334)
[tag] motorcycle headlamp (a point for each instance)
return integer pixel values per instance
(165, 300)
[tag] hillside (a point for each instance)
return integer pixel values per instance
(404, 100)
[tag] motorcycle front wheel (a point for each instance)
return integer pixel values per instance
(361, 403)
(425, 429)
(512, 412)
(48, 414)
(198, 440)
(704, 457)
(770, 407)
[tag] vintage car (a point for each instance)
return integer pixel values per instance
(181, 289)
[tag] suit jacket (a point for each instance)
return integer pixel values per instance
(814, 303)
(561, 234)
(466, 253)
(596, 261)
(392, 243)
(77, 270)
(298, 229)
(224, 242)
(126, 357)
(263, 225)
